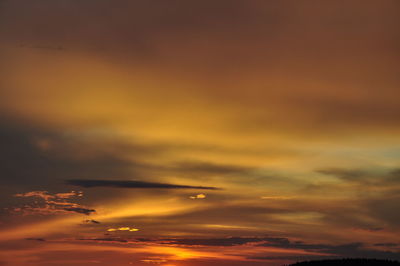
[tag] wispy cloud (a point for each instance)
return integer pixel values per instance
(46, 203)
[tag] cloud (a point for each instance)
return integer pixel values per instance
(346, 174)
(386, 244)
(394, 176)
(36, 239)
(198, 196)
(230, 241)
(105, 239)
(126, 228)
(314, 250)
(373, 190)
(25, 164)
(92, 221)
(40, 194)
(47, 196)
(381, 177)
(89, 183)
(51, 203)
(80, 210)
(344, 250)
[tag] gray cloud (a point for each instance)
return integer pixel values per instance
(80, 210)
(230, 241)
(346, 174)
(36, 239)
(25, 163)
(36, 158)
(382, 177)
(92, 221)
(356, 250)
(345, 250)
(386, 244)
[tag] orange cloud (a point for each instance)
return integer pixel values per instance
(123, 229)
(198, 196)
(51, 204)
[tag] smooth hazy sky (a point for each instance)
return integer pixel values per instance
(197, 133)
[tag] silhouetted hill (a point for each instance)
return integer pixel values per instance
(348, 262)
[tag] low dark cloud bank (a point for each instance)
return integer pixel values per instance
(345, 250)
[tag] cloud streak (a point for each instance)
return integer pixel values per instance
(86, 183)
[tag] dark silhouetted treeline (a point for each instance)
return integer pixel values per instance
(348, 262)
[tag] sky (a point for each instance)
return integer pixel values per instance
(193, 133)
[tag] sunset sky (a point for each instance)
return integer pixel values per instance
(198, 133)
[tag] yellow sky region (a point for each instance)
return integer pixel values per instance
(80, 93)
(106, 213)
(84, 91)
(308, 226)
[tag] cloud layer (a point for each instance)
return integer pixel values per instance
(86, 183)
(229, 132)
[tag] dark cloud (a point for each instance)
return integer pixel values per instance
(355, 250)
(384, 208)
(105, 239)
(33, 156)
(230, 241)
(386, 244)
(80, 210)
(344, 261)
(375, 229)
(36, 239)
(394, 176)
(365, 176)
(92, 221)
(346, 250)
(377, 194)
(291, 258)
(129, 184)
(346, 174)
